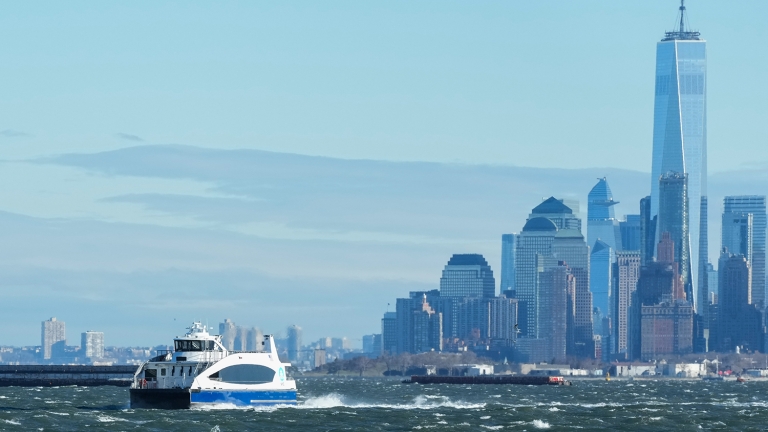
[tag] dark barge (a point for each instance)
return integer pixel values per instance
(65, 375)
(488, 379)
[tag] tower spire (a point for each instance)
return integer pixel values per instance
(682, 16)
(680, 32)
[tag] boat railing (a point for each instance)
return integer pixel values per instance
(136, 379)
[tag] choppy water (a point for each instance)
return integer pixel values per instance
(383, 405)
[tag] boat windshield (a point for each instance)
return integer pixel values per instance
(193, 345)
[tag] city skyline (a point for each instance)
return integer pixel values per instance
(127, 230)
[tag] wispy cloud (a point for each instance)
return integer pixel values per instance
(345, 196)
(10, 133)
(129, 137)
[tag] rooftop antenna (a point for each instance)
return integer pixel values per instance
(681, 32)
(682, 16)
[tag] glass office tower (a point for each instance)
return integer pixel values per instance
(754, 205)
(601, 220)
(680, 130)
(507, 287)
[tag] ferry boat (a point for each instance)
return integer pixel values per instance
(200, 371)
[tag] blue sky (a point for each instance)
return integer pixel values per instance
(497, 97)
(564, 84)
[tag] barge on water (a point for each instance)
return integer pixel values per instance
(488, 379)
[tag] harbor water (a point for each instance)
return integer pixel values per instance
(369, 404)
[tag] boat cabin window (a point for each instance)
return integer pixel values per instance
(162, 372)
(150, 374)
(244, 374)
(193, 345)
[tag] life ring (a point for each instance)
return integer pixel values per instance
(143, 383)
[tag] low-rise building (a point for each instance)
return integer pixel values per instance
(633, 369)
(684, 370)
(476, 370)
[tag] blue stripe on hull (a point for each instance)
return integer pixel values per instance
(245, 397)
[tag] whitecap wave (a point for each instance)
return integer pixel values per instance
(232, 406)
(540, 424)
(109, 419)
(334, 400)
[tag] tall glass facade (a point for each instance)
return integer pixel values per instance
(630, 229)
(533, 243)
(754, 205)
(680, 130)
(601, 266)
(601, 220)
(674, 219)
(569, 247)
(508, 263)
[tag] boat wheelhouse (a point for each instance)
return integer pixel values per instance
(200, 370)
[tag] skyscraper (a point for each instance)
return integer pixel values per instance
(561, 212)
(680, 134)
(666, 329)
(294, 342)
(601, 220)
(661, 320)
(657, 283)
(508, 242)
(487, 319)
(92, 344)
(755, 205)
(255, 340)
(412, 336)
(569, 247)
(427, 328)
(503, 318)
(625, 276)
(739, 321)
(557, 290)
(228, 332)
(389, 333)
(467, 275)
(737, 233)
(241, 339)
(534, 240)
(712, 283)
(52, 332)
(630, 229)
(673, 219)
(647, 231)
(600, 278)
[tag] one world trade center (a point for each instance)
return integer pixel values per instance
(680, 141)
